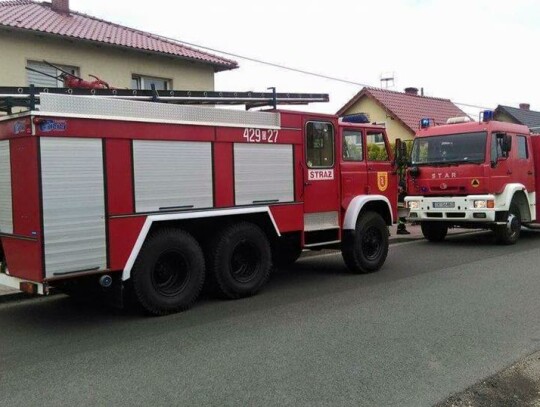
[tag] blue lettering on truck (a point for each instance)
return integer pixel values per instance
(47, 126)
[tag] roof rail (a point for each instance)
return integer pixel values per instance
(28, 97)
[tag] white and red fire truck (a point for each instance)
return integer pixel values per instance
(155, 198)
(468, 174)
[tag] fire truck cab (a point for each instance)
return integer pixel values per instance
(468, 174)
(154, 199)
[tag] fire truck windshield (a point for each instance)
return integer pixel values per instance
(449, 149)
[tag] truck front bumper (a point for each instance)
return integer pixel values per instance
(452, 209)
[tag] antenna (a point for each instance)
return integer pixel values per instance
(387, 80)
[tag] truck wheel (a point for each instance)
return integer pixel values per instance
(509, 233)
(434, 231)
(169, 272)
(239, 261)
(366, 250)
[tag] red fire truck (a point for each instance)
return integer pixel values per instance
(468, 174)
(103, 188)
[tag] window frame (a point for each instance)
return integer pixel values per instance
(500, 155)
(35, 64)
(524, 138)
(140, 78)
(415, 151)
(386, 146)
(333, 144)
(361, 135)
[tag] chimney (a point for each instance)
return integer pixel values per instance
(60, 6)
(525, 106)
(411, 91)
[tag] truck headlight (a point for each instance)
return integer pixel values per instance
(480, 205)
(413, 205)
(483, 204)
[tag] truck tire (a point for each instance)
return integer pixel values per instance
(509, 233)
(169, 273)
(434, 231)
(366, 250)
(239, 261)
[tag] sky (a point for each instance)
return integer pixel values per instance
(475, 52)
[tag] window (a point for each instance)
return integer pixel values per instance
(523, 153)
(376, 147)
(496, 147)
(46, 79)
(319, 145)
(145, 82)
(449, 148)
(497, 141)
(352, 146)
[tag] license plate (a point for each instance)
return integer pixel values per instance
(444, 204)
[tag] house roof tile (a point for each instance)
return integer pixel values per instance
(409, 108)
(40, 17)
(529, 118)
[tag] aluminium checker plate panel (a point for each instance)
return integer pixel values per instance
(321, 221)
(113, 108)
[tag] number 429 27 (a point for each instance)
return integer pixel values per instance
(261, 136)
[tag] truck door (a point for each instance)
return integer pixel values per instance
(524, 168)
(353, 165)
(502, 166)
(321, 198)
(379, 166)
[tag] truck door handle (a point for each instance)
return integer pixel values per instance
(307, 184)
(509, 172)
(530, 172)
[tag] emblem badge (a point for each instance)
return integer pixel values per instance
(382, 181)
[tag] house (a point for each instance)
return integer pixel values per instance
(31, 32)
(401, 112)
(522, 115)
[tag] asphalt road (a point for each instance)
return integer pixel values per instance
(436, 319)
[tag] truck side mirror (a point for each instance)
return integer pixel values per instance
(414, 171)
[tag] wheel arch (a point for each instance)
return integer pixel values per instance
(192, 221)
(362, 203)
(517, 194)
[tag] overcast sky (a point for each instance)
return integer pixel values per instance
(477, 52)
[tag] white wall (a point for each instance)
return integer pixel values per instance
(113, 65)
